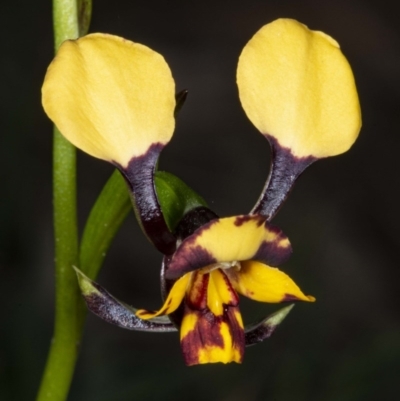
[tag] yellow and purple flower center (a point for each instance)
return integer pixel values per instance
(211, 329)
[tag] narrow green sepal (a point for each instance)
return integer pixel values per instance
(175, 197)
(261, 330)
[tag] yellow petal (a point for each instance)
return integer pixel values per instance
(174, 299)
(110, 97)
(242, 237)
(296, 85)
(266, 284)
(230, 239)
(196, 295)
(220, 293)
(226, 354)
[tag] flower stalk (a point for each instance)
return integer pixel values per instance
(69, 311)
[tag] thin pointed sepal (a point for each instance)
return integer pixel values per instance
(104, 305)
(259, 331)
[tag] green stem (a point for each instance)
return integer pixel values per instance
(63, 352)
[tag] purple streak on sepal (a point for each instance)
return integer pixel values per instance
(139, 174)
(284, 171)
(116, 312)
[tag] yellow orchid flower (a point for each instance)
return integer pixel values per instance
(115, 100)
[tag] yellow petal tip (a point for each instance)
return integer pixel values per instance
(145, 314)
(296, 86)
(110, 97)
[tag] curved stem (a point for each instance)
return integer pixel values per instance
(68, 304)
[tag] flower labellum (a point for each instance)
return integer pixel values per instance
(214, 267)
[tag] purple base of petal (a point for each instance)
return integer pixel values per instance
(271, 254)
(284, 171)
(139, 175)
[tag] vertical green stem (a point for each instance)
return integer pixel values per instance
(68, 304)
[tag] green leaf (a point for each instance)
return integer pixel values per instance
(175, 197)
(108, 213)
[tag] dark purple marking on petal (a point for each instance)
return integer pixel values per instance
(188, 259)
(237, 331)
(197, 297)
(284, 171)
(116, 312)
(290, 298)
(207, 333)
(272, 254)
(139, 175)
(240, 220)
(234, 295)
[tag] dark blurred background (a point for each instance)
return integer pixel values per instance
(341, 218)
